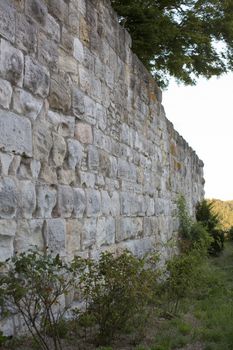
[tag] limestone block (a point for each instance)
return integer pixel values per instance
(138, 247)
(151, 226)
(115, 204)
(48, 174)
(15, 133)
(126, 202)
(36, 78)
(128, 228)
(105, 231)
(73, 238)
(90, 110)
(5, 161)
(106, 203)
(27, 199)
(93, 203)
(83, 132)
(123, 168)
(25, 34)
(11, 63)
(59, 149)
(101, 117)
(67, 41)
(29, 235)
(64, 125)
(85, 80)
(26, 104)
(79, 202)
(93, 158)
(88, 233)
(78, 106)
(68, 64)
(73, 19)
(53, 28)
(7, 248)
(65, 203)
(35, 167)
(7, 22)
(46, 200)
(150, 203)
(37, 10)
(42, 140)
(58, 9)
(55, 235)
(7, 228)
(78, 50)
(66, 176)
(60, 94)
(47, 52)
(5, 93)
(75, 153)
(14, 166)
(8, 198)
(87, 179)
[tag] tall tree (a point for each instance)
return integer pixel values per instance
(185, 39)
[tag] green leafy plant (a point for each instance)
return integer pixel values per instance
(211, 222)
(34, 287)
(115, 290)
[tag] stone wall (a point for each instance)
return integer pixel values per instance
(88, 160)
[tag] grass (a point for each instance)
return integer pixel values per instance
(204, 321)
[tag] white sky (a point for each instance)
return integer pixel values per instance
(203, 115)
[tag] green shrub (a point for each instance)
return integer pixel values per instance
(116, 291)
(34, 287)
(211, 222)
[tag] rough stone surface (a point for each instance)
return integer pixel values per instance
(88, 159)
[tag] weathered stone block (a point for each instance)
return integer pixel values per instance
(15, 133)
(37, 10)
(8, 228)
(58, 9)
(88, 233)
(66, 176)
(35, 167)
(26, 104)
(53, 28)
(5, 93)
(79, 202)
(83, 132)
(78, 50)
(5, 162)
(46, 200)
(151, 226)
(27, 199)
(8, 198)
(11, 63)
(60, 94)
(7, 234)
(106, 202)
(42, 140)
(93, 158)
(93, 203)
(78, 106)
(128, 228)
(48, 174)
(47, 52)
(36, 78)
(65, 204)
(29, 236)
(59, 149)
(73, 238)
(26, 33)
(55, 234)
(115, 204)
(105, 231)
(75, 153)
(64, 125)
(7, 22)
(87, 179)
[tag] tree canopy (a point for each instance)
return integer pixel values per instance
(185, 39)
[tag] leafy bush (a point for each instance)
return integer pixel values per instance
(34, 287)
(211, 222)
(116, 290)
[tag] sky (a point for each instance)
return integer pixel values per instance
(203, 115)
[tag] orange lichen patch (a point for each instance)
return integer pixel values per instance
(84, 31)
(173, 149)
(152, 96)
